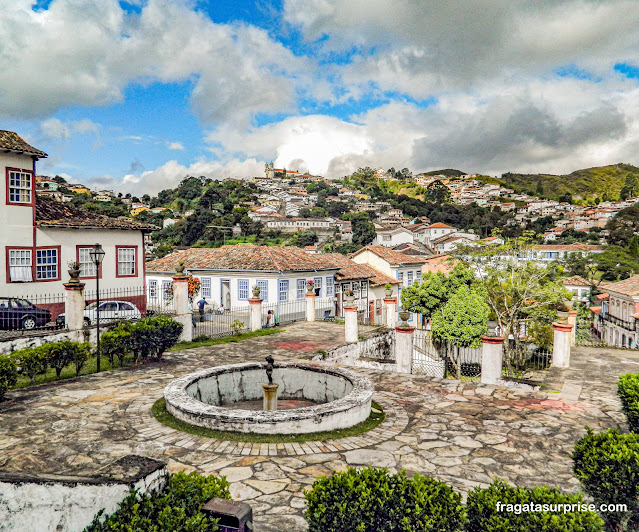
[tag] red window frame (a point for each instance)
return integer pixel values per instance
(17, 203)
(8, 267)
(77, 259)
(34, 261)
(137, 267)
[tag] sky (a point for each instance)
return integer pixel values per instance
(133, 96)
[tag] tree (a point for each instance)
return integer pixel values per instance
(438, 192)
(251, 227)
(462, 321)
(616, 263)
(363, 229)
(623, 226)
(630, 187)
(303, 238)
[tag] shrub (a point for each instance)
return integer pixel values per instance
(372, 500)
(79, 355)
(607, 464)
(115, 343)
(8, 374)
(167, 333)
(628, 390)
(484, 516)
(149, 337)
(58, 355)
(177, 509)
(30, 361)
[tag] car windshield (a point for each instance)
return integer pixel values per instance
(22, 303)
(91, 306)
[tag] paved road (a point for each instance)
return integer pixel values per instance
(462, 433)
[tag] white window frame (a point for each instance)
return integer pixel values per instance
(153, 289)
(242, 289)
(17, 186)
(318, 286)
(330, 287)
(263, 284)
(301, 288)
(87, 266)
(165, 287)
(20, 265)
(124, 259)
(409, 278)
(206, 287)
(282, 290)
(46, 269)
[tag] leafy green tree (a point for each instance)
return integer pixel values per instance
(462, 321)
(633, 247)
(305, 212)
(251, 227)
(616, 263)
(426, 297)
(363, 229)
(623, 226)
(630, 187)
(303, 238)
(438, 192)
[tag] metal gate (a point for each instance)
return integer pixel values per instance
(426, 358)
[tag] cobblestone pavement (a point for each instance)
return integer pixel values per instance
(463, 433)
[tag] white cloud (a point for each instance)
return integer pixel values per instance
(84, 52)
(175, 146)
(56, 129)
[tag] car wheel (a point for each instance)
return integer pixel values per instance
(87, 321)
(28, 323)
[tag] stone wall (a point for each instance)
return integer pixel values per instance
(88, 334)
(377, 351)
(69, 503)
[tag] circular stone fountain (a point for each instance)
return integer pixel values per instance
(228, 397)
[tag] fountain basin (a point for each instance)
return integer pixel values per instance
(342, 398)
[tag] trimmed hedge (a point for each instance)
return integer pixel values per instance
(485, 516)
(628, 390)
(372, 500)
(148, 338)
(8, 374)
(177, 509)
(607, 464)
(30, 361)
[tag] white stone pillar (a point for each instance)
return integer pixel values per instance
(561, 345)
(391, 312)
(255, 310)
(181, 306)
(310, 306)
(572, 320)
(350, 322)
(74, 306)
(492, 353)
(404, 347)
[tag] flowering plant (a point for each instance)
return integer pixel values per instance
(194, 289)
(310, 283)
(349, 293)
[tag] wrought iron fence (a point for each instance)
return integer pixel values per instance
(325, 309)
(217, 324)
(30, 315)
(284, 312)
(443, 359)
(116, 304)
(524, 360)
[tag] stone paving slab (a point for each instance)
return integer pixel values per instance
(460, 432)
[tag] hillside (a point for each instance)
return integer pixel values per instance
(603, 182)
(448, 172)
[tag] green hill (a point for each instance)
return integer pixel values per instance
(448, 172)
(603, 182)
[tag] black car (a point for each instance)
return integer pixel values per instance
(16, 313)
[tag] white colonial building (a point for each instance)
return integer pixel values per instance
(620, 312)
(41, 236)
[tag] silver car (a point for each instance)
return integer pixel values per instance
(109, 311)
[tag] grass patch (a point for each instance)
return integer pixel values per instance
(224, 340)
(160, 413)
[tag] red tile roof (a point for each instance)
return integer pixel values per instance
(628, 287)
(13, 142)
(576, 280)
(364, 271)
(51, 213)
(595, 310)
(568, 247)
(439, 225)
(245, 258)
(390, 256)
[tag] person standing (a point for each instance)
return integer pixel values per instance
(200, 305)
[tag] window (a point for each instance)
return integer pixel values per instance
(330, 291)
(410, 278)
(283, 290)
(205, 287)
(87, 266)
(242, 289)
(364, 288)
(20, 266)
(153, 289)
(318, 286)
(418, 277)
(301, 288)
(126, 261)
(166, 286)
(19, 186)
(263, 290)
(400, 277)
(47, 264)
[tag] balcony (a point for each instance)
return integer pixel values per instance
(631, 326)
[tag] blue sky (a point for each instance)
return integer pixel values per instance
(134, 96)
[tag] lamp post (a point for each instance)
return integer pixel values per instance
(97, 255)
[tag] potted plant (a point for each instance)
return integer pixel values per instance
(388, 290)
(562, 312)
(74, 272)
(404, 315)
(349, 297)
(256, 292)
(310, 285)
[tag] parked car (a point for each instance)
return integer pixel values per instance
(109, 311)
(16, 313)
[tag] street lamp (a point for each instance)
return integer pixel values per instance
(97, 255)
